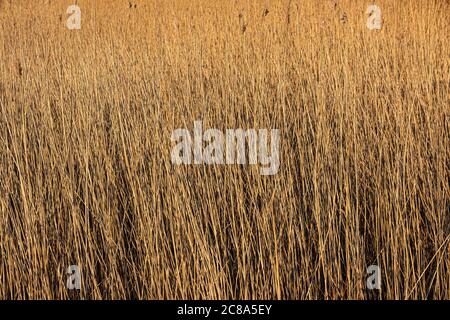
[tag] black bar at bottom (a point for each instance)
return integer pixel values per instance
(205, 309)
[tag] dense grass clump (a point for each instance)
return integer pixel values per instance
(86, 176)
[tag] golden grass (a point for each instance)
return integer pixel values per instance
(85, 172)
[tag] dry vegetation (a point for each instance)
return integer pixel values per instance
(85, 172)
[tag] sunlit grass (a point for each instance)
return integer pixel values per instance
(86, 178)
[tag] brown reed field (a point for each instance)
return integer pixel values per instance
(86, 176)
